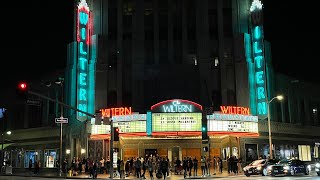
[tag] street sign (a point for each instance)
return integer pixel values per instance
(61, 120)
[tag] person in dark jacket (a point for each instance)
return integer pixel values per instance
(164, 167)
(195, 166)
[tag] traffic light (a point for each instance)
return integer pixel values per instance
(22, 90)
(116, 133)
(204, 128)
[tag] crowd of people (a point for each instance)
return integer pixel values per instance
(154, 166)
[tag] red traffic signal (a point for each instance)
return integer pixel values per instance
(116, 134)
(22, 90)
(23, 86)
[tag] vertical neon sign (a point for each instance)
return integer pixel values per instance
(83, 24)
(258, 57)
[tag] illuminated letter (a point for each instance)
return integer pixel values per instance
(82, 79)
(256, 49)
(260, 92)
(128, 110)
(262, 108)
(259, 77)
(166, 109)
(121, 111)
(83, 62)
(82, 107)
(257, 32)
(224, 109)
(258, 61)
(82, 95)
(105, 112)
(83, 18)
(83, 33)
(81, 49)
(187, 108)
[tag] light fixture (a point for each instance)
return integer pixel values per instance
(9, 132)
(67, 151)
(83, 151)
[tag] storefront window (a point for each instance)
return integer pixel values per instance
(34, 156)
(50, 156)
(304, 152)
(316, 152)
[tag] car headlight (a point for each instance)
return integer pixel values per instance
(269, 167)
(309, 167)
(318, 165)
(259, 168)
(286, 167)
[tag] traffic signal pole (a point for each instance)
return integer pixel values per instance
(61, 103)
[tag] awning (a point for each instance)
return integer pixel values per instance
(5, 145)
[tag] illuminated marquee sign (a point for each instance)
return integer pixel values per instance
(233, 119)
(83, 24)
(232, 126)
(116, 111)
(258, 57)
(176, 106)
(133, 123)
(164, 122)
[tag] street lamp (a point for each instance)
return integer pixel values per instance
(59, 81)
(279, 97)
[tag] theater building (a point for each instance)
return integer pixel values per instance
(170, 61)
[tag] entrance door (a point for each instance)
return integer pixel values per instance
(149, 152)
(175, 154)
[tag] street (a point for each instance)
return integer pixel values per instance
(175, 177)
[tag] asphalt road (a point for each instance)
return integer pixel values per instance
(241, 177)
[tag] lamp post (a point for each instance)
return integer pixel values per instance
(279, 97)
(59, 81)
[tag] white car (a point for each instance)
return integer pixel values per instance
(317, 168)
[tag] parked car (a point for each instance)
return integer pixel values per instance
(289, 167)
(258, 167)
(317, 168)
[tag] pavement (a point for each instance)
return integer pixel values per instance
(107, 176)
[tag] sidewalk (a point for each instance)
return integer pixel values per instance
(107, 176)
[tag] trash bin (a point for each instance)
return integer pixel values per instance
(8, 169)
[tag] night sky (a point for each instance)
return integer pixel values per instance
(36, 34)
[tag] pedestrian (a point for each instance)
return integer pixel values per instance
(185, 166)
(220, 164)
(138, 167)
(190, 166)
(195, 166)
(122, 167)
(164, 167)
(214, 163)
(208, 165)
(239, 165)
(203, 166)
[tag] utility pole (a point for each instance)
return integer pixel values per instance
(60, 82)
(111, 146)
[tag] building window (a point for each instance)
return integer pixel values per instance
(304, 152)
(316, 152)
(32, 157)
(50, 157)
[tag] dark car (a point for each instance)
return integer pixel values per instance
(317, 168)
(289, 167)
(258, 167)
